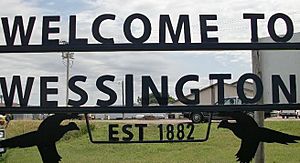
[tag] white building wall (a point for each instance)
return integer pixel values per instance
(207, 94)
(279, 62)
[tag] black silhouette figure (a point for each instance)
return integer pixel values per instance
(44, 138)
(248, 131)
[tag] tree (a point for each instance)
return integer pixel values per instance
(152, 99)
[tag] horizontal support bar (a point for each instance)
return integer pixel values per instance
(147, 141)
(149, 109)
(148, 47)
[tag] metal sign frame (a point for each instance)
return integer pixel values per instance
(92, 140)
(149, 109)
(148, 47)
(141, 46)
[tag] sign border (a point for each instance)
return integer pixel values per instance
(148, 47)
(148, 109)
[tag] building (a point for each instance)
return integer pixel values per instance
(209, 94)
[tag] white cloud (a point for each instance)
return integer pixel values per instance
(18, 7)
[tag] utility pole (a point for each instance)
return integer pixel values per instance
(258, 115)
(68, 58)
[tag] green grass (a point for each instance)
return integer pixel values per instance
(221, 147)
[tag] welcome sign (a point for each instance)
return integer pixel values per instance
(166, 27)
(105, 44)
(183, 133)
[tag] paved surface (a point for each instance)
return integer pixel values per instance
(175, 121)
(137, 121)
(280, 119)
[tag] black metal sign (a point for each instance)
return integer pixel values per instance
(166, 27)
(166, 133)
(137, 133)
(147, 84)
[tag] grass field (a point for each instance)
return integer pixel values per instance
(221, 147)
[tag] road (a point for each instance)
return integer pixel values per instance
(176, 121)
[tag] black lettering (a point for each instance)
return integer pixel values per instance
(179, 90)
(253, 22)
(141, 130)
(129, 90)
(73, 87)
(289, 28)
(220, 81)
(18, 23)
(147, 83)
(16, 85)
(182, 22)
(128, 32)
(205, 28)
(45, 91)
(190, 135)
(72, 29)
(258, 87)
(96, 27)
(277, 82)
(112, 94)
(112, 132)
(46, 30)
(127, 132)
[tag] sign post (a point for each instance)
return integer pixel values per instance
(258, 115)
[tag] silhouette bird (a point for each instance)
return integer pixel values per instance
(48, 133)
(251, 134)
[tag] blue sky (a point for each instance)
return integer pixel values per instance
(232, 28)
